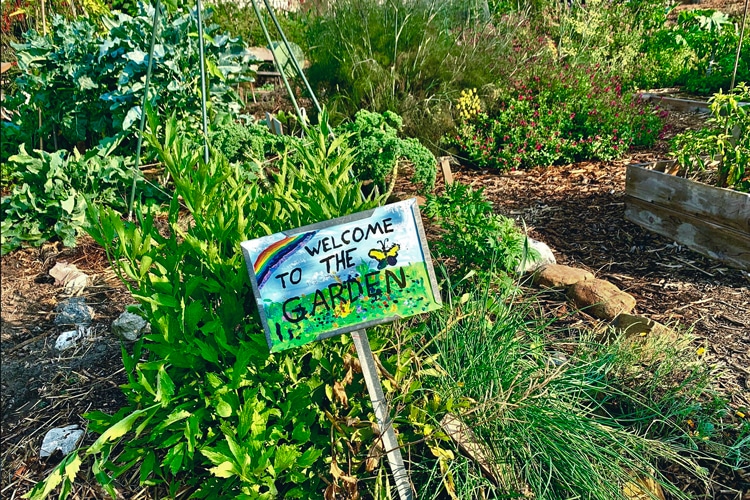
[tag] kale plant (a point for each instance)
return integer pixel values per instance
(379, 149)
(89, 85)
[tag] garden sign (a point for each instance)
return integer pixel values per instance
(342, 275)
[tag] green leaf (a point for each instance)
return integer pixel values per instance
(116, 431)
(301, 432)
(309, 457)
(132, 115)
(214, 456)
(175, 457)
(66, 471)
(164, 387)
(224, 409)
(147, 466)
(175, 416)
(69, 204)
(224, 470)
(213, 380)
(284, 457)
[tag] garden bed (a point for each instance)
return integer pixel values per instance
(710, 220)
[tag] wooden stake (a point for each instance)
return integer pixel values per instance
(445, 167)
(382, 414)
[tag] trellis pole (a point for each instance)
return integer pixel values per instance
(204, 115)
(157, 7)
(276, 61)
(739, 46)
(149, 69)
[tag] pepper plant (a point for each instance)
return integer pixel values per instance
(724, 143)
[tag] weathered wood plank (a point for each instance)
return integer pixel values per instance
(705, 237)
(679, 104)
(445, 167)
(722, 207)
(676, 103)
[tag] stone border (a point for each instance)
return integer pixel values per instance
(599, 298)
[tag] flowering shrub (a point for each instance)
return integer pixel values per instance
(469, 105)
(556, 119)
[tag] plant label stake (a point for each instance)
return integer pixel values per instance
(345, 275)
(382, 414)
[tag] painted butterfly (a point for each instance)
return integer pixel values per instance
(385, 256)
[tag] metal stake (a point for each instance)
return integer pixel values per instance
(203, 80)
(739, 46)
(142, 125)
(276, 60)
(382, 414)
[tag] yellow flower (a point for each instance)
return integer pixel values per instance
(740, 414)
(701, 351)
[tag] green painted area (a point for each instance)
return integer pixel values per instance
(368, 295)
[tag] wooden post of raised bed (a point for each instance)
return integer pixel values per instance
(445, 167)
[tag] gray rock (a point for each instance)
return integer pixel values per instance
(68, 339)
(130, 326)
(557, 358)
(545, 257)
(60, 438)
(73, 311)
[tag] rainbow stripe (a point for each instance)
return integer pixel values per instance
(274, 255)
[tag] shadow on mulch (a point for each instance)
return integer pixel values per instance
(42, 387)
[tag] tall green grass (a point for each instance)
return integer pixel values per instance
(583, 424)
(411, 57)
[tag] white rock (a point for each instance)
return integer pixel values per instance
(60, 438)
(130, 326)
(545, 257)
(70, 277)
(68, 339)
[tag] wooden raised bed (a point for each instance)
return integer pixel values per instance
(709, 220)
(680, 104)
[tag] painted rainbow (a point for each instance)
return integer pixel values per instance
(274, 255)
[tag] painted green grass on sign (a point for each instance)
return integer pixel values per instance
(377, 295)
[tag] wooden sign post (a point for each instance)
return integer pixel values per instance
(341, 276)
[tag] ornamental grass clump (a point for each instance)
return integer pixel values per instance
(561, 419)
(570, 115)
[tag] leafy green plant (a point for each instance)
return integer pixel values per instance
(725, 143)
(89, 85)
(52, 190)
(242, 143)
(208, 408)
(380, 150)
(473, 236)
(373, 136)
(698, 52)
